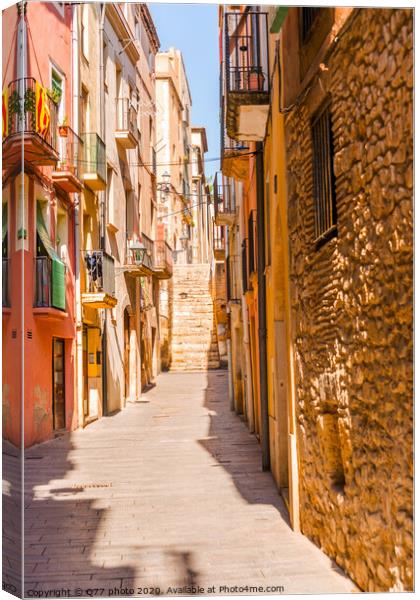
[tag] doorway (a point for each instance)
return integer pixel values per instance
(126, 355)
(59, 396)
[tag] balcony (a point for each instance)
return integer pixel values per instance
(50, 287)
(234, 156)
(99, 280)
(94, 167)
(224, 201)
(139, 255)
(163, 265)
(232, 281)
(5, 298)
(68, 172)
(218, 243)
(35, 130)
(126, 123)
(246, 75)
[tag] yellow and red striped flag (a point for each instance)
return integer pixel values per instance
(42, 109)
(5, 112)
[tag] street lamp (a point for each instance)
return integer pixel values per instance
(184, 239)
(138, 250)
(164, 187)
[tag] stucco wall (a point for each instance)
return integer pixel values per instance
(352, 307)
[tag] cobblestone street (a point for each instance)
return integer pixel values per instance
(168, 492)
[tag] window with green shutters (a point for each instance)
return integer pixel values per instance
(50, 277)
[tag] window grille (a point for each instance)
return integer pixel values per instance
(323, 177)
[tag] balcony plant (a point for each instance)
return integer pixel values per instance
(255, 79)
(63, 128)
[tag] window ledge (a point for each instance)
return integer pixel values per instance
(49, 312)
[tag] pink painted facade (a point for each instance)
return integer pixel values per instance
(32, 330)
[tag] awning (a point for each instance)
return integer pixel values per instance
(279, 19)
(58, 268)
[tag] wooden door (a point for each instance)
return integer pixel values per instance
(59, 397)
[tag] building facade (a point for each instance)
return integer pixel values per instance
(330, 179)
(38, 259)
(80, 227)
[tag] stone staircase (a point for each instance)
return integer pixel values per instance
(194, 337)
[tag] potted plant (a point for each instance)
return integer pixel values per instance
(63, 128)
(256, 79)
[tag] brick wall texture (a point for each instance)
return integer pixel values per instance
(352, 308)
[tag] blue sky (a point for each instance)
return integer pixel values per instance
(193, 28)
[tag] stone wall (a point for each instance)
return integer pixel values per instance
(352, 306)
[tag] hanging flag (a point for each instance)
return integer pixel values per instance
(5, 112)
(42, 110)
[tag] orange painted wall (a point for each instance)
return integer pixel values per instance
(34, 333)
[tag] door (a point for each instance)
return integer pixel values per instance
(59, 398)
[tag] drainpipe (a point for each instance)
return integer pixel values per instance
(101, 95)
(262, 316)
(76, 229)
(248, 374)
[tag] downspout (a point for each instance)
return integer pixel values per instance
(262, 316)
(102, 8)
(229, 328)
(76, 229)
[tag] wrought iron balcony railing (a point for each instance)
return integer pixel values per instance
(29, 111)
(100, 272)
(5, 301)
(224, 200)
(126, 122)
(246, 52)
(163, 263)
(71, 151)
(94, 161)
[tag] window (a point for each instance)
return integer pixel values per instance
(57, 88)
(62, 234)
(323, 176)
(105, 61)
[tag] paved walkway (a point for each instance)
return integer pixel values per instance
(167, 493)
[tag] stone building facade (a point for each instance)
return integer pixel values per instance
(351, 295)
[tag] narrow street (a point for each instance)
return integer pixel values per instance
(167, 493)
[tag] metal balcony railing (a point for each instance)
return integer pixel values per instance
(224, 197)
(252, 242)
(218, 238)
(94, 155)
(232, 282)
(71, 152)
(100, 272)
(126, 116)
(163, 257)
(22, 111)
(5, 300)
(246, 52)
